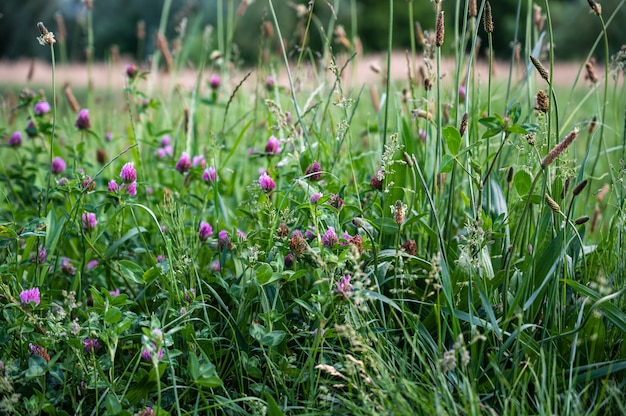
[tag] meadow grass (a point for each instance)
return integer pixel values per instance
(319, 247)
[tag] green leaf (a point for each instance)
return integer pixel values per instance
(113, 315)
(131, 271)
(129, 234)
(522, 182)
(380, 297)
(36, 367)
(273, 338)
(453, 139)
(272, 407)
(264, 273)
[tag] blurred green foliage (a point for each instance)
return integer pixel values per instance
(115, 23)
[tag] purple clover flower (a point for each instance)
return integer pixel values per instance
(41, 108)
(91, 345)
(184, 163)
(132, 189)
(266, 183)
(310, 233)
(215, 267)
(58, 165)
(16, 139)
(92, 264)
(205, 231)
(83, 122)
(89, 221)
(31, 129)
(30, 295)
(209, 174)
(128, 173)
(114, 293)
(131, 71)
(269, 83)
(289, 260)
(146, 353)
(41, 256)
(314, 171)
(166, 140)
(462, 93)
(113, 186)
(198, 161)
(344, 287)
(329, 239)
(273, 146)
(215, 81)
(315, 197)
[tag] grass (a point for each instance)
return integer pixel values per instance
(378, 257)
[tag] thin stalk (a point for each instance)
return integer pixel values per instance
(90, 51)
(54, 123)
(388, 80)
(412, 66)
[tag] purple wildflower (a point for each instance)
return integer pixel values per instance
(329, 239)
(310, 233)
(63, 181)
(108, 136)
(91, 345)
(289, 260)
(215, 267)
(315, 197)
(166, 140)
(128, 173)
(184, 163)
(224, 240)
(132, 189)
(241, 235)
(41, 256)
(209, 174)
(131, 71)
(269, 83)
(89, 221)
(422, 134)
(67, 267)
(336, 201)
(30, 295)
(313, 172)
(266, 182)
(58, 165)
(205, 231)
(113, 186)
(344, 287)
(198, 161)
(146, 354)
(92, 264)
(114, 293)
(215, 81)
(31, 129)
(83, 122)
(160, 258)
(462, 93)
(41, 108)
(273, 146)
(16, 139)
(321, 332)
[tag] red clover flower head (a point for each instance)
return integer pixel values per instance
(314, 171)
(128, 173)
(31, 129)
(92, 264)
(58, 165)
(215, 81)
(89, 221)
(16, 139)
(131, 71)
(41, 108)
(198, 161)
(315, 197)
(41, 255)
(91, 345)
(83, 122)
(166, 140)
(266, 182)
(344, 287)
(113, 186)
(30, 295)
(147, 353)
(269, 83)
(205, 231)
(209, 174)
(184, 163)
(289, 260)
(273, 146)
(329, 239)
(132, 189)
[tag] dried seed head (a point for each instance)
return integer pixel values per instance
(268, 29)
(71, 100)
(464, 122)
(488, 18)
(61, 29)
(581, 220)
(530, 138)
(592, 124)
(580, 187)
(552, 204)
(472, 10)
(595, 7)
(596, 219)
(398, 211)
(440, 30)
(419, 34)
(358, 222)
(509, 175)
(541, 101)
(407, 159)
(559, 148)
(590, 73)
(422, 114)
(282, 230)
(565, 187)
(161, 44)
(47, 37)
(410, 247)
(603, 192)
(542, 71)
(427, 84)
(538, 19)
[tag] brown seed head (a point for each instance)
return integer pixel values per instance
(542, 71)
(541, 101)
(419, 34)
(488, 18)
(581, 220)
(595, 7)
(603, 192)
(509, 175)
(440, 30)
(595, 219)
(593, 124)
(410, 247)
(398, 212)
(61, 29)
(552, 204)
(590, 73)
(407, 159)
(268, 29)
(47, 37)
(538, 19)
(559, 148)
(579, 187)
(464, 122)
(472, 10)
(69, 96)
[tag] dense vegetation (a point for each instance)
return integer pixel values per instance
(439, 246)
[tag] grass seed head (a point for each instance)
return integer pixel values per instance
(541, 101)
(488, 18)
(464, 122)
(590, 72)
(579, 188)
(559, 148)
(472, 10)
(542, 71)
(581, 220)
(552, 204)
(440, 30)
(595, 7)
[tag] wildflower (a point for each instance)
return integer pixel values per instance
(114, 293)
(541, 101)
(131, 71)
(108, 136)
(184, 163)
(344, 287)
(224, 240)
(157, 335)
(215, 81)
(89, 221)
(377, 180)
(209, 174)
(41, 108)
(336, 201)
(166, 140)
(273, 146)
(40, 351)
(398, 211)
(132, 189)
(269, 83)
(58, 165)
(321, 332)
(67, 267)
(315, 197)
(462, 93)
(266, 182)
(289, 260)
(128, 173)
(16, 139)
(410, 247)
(41, 255)
(488, 18)
(329, 239)
(160, 258)
(113, 186)
(63, 181)
(91, 345)
(283, 230)
(422, 134)
(83, 122)
(31, 129)
(147, 412)
(198, 161)
(88, 183)
(313, 171)
(297, 243)
(559, 148)
(205, 231)
(30, 295)
(309, 233)
(92, 264)
(190, 294)
(215, 267)
(47, 37)
(440, 28)
(241, 235)
(147, 353)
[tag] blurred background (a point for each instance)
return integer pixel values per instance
(129, 27)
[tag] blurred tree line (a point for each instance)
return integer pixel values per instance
(131, 25)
